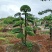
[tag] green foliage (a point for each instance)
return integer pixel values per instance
(45, 11)
(25, 8)
(17, 23)
(45, 0)
(8, 20)
(20, 35)
(1, 38)
(4, 40)
(16, 19)
(30, 18)
(36, 28)
(48, 21)
(29, 46)
(28, 28)
(17, 14)
(16, 30)
(48, 18)
(1, 28)
(30, 33)
(40, 13)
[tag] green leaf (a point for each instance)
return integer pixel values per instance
(25, 8)
(28, 28)
(8, 20)
(29, 20)
(30, 33)
(16, 19)
(17, 23)
(20, 35)
(16, 30)
(30, 17)
(29, 44)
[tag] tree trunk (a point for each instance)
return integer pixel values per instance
(50, 33)
(21, 28)
(25, 30)
(20, 24)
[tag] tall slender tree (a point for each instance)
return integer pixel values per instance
(28, 30)
(25, 9)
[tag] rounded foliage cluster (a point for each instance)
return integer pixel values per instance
(25, 8)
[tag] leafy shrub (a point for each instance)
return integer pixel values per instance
(16, 30)
(8, 20)
(29, 46)
(20, 35)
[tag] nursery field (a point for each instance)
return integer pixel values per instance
(43, 40)
(12, 38)
(23, 31)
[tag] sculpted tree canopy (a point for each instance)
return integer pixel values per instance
(25, 8)
(45, 0)
(17, 14)
(45, 11)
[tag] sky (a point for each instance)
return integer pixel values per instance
(10, 7)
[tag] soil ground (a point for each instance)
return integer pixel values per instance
(43, 41)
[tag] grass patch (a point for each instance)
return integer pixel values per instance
(45, 32)
(1, 38)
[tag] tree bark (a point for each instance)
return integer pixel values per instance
(50, 33)
(21, 29)
(25, 30)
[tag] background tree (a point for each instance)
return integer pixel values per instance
(8, 20)
(48, 20)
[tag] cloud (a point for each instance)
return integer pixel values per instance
(10, 7)
(8, 10)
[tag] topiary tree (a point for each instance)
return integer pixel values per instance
(28, 30)
(25, 9)
(45, 0)
(48, 20)
(48, 23)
